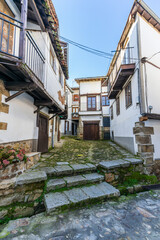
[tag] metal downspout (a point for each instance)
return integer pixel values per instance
(140, 72)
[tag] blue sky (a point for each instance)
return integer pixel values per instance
(97, 24)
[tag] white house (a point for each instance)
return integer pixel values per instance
(94, 121)
(75, 110)
(33, 70)
(134, 83)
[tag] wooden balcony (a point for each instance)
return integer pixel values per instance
(125, 71)
(22, 62)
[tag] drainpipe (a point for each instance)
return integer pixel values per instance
(140, 72)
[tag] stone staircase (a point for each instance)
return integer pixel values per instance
(84, 186)
(68, 185)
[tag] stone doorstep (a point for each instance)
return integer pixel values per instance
(72, 181)
(54, 201)
(31, 177)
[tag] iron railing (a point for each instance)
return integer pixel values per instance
(10, 29)
(75, 115)
(85, 107)
(9, 35)
(34, 57)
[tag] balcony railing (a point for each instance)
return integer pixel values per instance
(34, 57)
(123, 68)
(9, 35)
(10, 29)
(75, 115)
(85, 107)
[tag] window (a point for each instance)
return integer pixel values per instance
(105, 101)
(91, 103)
(60, 77)
(106, 122)
(75, 97)
(117, 106)
(52, 60)
(74, 109)
(128, 94)
(111, 112)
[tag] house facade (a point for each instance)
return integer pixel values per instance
(75, 110)
(134, 85)
(33, 71)
(66, 125)
(94, 120)
(70, 125)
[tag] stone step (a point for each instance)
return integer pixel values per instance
(60, 200)
(119, 163)
(55, 184)
(66, 170)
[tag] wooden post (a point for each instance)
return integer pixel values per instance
(24, 9)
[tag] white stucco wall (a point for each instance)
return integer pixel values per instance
(92, 118)
(90, 87)
(21, 120)
(150, 39)
(122, 125)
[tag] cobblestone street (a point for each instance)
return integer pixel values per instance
(79, 151)
(130, 218)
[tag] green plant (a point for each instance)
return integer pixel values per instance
(8, 155)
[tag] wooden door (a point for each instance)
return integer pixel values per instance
(91, 131)
(43, 134)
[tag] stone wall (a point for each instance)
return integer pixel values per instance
(4, 108)
(28, 145)
(19, 200)
(117, 175)
(144, 141)
(16, 169)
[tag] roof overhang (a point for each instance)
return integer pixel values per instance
(100, 78)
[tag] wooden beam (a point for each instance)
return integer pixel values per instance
(8, 73)
(142, 119)
(52, 116)
(14, 95)
(43, 103)
(37, 15)
(38, 109)
(18, 86)
(24, 8)
(152, 116)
